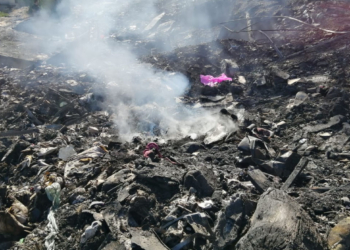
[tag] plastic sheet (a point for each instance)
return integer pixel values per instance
(53, 229)
(53, 193)
(150, 146)
(212, 81)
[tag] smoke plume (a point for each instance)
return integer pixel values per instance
(142, 98)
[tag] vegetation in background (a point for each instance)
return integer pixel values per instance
(3, 14)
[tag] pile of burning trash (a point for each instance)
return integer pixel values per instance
(136, 140)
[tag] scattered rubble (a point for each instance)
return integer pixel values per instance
(272, 174)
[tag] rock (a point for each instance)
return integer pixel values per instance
(279, 221)
(339, 236)
(202, 180)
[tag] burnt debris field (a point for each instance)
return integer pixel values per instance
(194, 125)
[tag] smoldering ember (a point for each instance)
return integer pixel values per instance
(178, 124)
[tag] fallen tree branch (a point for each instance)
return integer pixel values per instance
(293, 19)
(269, 30)
(273, 44)
(262, 32)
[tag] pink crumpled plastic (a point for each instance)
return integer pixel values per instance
(212, 81)
(149, 147)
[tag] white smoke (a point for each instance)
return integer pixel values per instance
(140, 96)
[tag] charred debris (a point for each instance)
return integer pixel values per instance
(275, 175)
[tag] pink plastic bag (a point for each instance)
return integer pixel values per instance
(212, 81)
(149, 147)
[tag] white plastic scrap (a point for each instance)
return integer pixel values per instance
(96, 203)
(53, 228)
(70, 166)
(46, 151)
(207, 204)
(66, 152)
(53, 194)
(94, 152)
(90, 231)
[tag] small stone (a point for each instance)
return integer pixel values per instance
(293, 81)
(93, 130)
(325, 135)
(339, 236)
(346, 201)
(302, 141)
(242, 80)
(281, 124)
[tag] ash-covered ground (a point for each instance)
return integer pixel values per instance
(109, 139)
